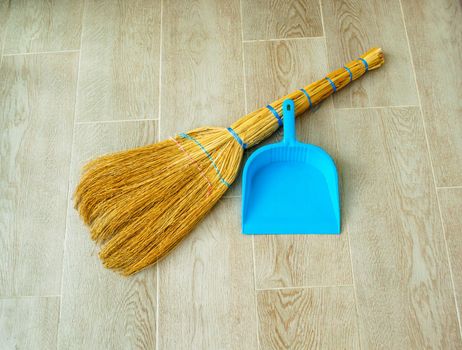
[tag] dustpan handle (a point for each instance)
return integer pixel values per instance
(288, 112)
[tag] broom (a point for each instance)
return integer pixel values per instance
(140, 203)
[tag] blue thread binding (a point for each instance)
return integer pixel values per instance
(186, 136)
(349, 72)
(331, 84)
(238, 139)
(365, 63)
(275, 113)
(307, 96)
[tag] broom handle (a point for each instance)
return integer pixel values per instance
(250, 128)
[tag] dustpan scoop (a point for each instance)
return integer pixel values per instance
(290, 187)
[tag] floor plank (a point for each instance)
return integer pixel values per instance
(435, 36)
(4, 13)
(40, 25)
(202, 75)
(352, 27)
(451, 209)
(206, 287)
(314, 318)
(202, 78)
(101, 309)
(274, 69)
(36, 115)
(119, 70)
(278, 19)
(404, 290)
(29, 323)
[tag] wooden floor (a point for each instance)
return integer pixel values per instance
(83, 78)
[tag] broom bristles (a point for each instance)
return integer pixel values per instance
(142, 202)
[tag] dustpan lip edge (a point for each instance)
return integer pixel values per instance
(245, 187)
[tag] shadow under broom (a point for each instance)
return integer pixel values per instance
(140, 203)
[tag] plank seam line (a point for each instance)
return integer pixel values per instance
(432, 169)
(39, 53)
(244, 80)
(117, 121)
(347, 229)
(375, 107)
(449, 187)
(305, 287)
(322, 22)
(13, 297)
(69, 189)
(250, 41)
(158, 139)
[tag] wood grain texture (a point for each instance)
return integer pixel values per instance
(314, 318)
(272, 70)
(41, 25)
(101, 309)
(352, 27)
(206, 287)
(4, 13)
(451, 210)
(29, 323)
(275, 19)
(36, 115)
(201, 67)
(435, 35)
(404, 290)
(119, 70)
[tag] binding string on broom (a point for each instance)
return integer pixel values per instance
(139, 204)
(366, 65)
(186, 136)
(277, 116)
(192, 160)
(275, 113)
(237, 138)
(349, 72)
(310, 95)
(331, 84)
(307, 97)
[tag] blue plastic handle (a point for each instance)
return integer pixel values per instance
(288, 110)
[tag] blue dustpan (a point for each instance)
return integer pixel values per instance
(290, 187)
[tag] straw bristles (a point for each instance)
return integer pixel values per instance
(136, 199)
(140, 203)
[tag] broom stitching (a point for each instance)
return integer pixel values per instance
(237, 138)
(349, 72)
(331, 84)
(217, 158)
(275, 113)
(186, 136)
(192, 160)
(307, 96)
(366, 65)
